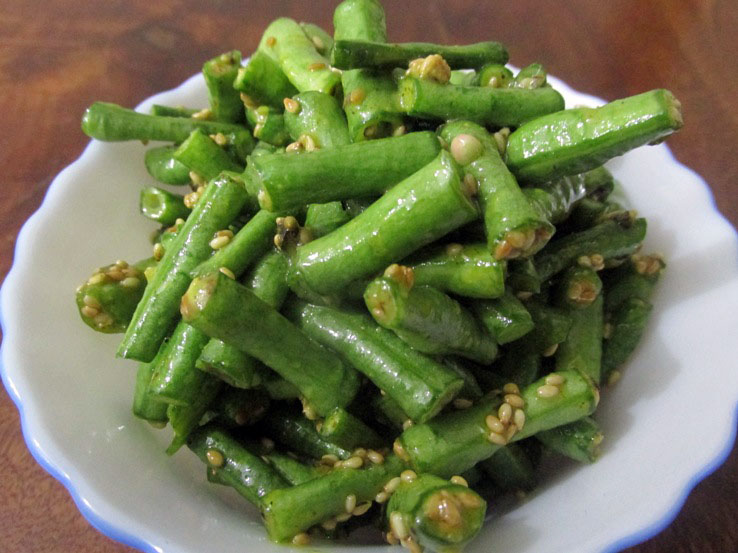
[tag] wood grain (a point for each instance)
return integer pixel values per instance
(58, 56)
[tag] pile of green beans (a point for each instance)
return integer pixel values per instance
(396, 276)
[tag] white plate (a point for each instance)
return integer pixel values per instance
(669, 422)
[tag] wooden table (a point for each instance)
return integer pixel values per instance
(58, 56)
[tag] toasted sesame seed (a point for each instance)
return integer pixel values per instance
(463, 403)
(408, 476)
(329, 524)
(550, 350)
(460, 481)
(301, 539)
(400, 451)
(397, 525)
(519, 418)
(547, 391)
(381, 497)
(316, 66)
(504, 413)
(392, 484)
(503, 250)
(494, 424)
(91, 301)
(350, 503)
(391, 539)
(514, 400)
(511, 388)
(219, 242)
(271, 41)
(293, 106)
(353, 462)
(248, 101)
(362, 508)
(555, 379)
(215, 458)
(130, 282)
(89, 312)
(375, 457)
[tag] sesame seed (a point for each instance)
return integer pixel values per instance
(318, 43)
(219, 242)
(116, 275)
(308, 143)
(359, 452)
(103, 320)
(293, 106)
(219, 138)
(375, 457)
(203, 114)
(555, 379)
(463, 403)
(614, 377)
(550, 350)
(514, 400)
(400, 451)
(459, 481)
(91, 301)
(471, 184)
(122, 264)
(381, 497)
(329, 459)
(371, 131)
(350, 503)
(397, 525)
(215, 458)
(130, 282)
(301, 539)
(496, 438)
(309, 411)
(248, 101)
(510, 432)
(391, 539)
(519, 418)
(353, 462)
(329, 524)
(294, 147)
(89, 312)
(454, 249)
(524, 295)
(271, 41)
(411, 545)
(316, 66)
(319, 426)
(392, 485)
(362, 509)
(399, 131)
(408, 476)
(547, 391)
(407, 424)
(343, 517)
(503, 250)
(511, 388)
(494, 424)
(227, 272)
(504, 413)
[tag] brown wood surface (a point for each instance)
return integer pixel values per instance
(58, 56)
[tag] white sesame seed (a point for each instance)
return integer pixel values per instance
(547, 391)
(102, 320)
(329, 459)
(343, 517)
(397, 525)
(399, 131)
(411, 545)
(219, 242)
(463, 403)
(116, 275)
(301, 539)
(329, 524)
(400, 451)
(519, 418)
(555, 379)
(227, 272)
(407, 424)
(511, 388)
(309, 411)
(375, 457)
(514, 400)
(91, 301)
(362, 508)
(353, 462)
(350, 503)
(524, 295)
(293, 106)
(219, 138)
(130, 282)
(510, 432)
(359, 452)
(203, 114)
(504, 413)
(549, 351)
(459, 481)
(494, 424)
(392, 484)
(408, 476)
(381, 497)
(613, 378)
(318, 43)
(89, 311)
(294, 147)
(391, 539)
(215, 458)
(97, 278)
